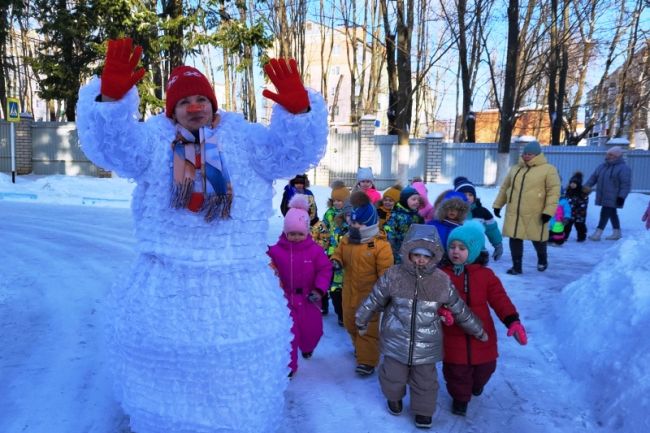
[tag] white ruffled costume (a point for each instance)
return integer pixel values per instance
(201, 332)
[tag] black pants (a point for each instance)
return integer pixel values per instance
(517, 252)
(337, 302)
(581, 229)
(607, 214)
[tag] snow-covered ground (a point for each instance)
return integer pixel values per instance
(63, 240)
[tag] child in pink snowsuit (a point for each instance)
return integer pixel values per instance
(305, 273)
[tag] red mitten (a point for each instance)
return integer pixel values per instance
(119, 73)
(517, 329)
(646, 217)
(291, 93)
(446, 316)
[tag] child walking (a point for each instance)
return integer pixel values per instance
(364, 255)
(410, 294)
(305, 274)
(579, 201)
(335, 227)
(387, 203)
(468, 364)
(366, 183)
(403, 215)
(478, 213)
(299, 185)
(559, 221)
(450, 213)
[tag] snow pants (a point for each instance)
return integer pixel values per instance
(421, 379)
(307, 328)
(463, 379)
(366, 346)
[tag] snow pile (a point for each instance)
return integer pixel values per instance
(602, 322)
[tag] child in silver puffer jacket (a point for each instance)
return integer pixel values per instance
(410, 295)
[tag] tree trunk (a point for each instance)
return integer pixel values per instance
(176, 55)
(507, 120)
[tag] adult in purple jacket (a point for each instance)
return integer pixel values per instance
(305, 273)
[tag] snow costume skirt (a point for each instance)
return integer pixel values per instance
(184, 359)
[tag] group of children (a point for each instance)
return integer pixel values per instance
(381, 258)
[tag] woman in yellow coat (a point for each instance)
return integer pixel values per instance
(530, 191)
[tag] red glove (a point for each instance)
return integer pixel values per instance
(119, 73)
(291, 93)
(517, 329)
(446, 316)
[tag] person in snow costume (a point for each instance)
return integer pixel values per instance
(450, 213)
(478, 213)
(426, 211)
(646, 217)
(468, 364)
(364, 255)
(299, 185)
(403, 215)
(579, 201)
(334, 227)
(305, 273)
(410, 295)
(366, 183)
(200, 310)
(613, 181)
(386, 205)
(530, 191)
(558, 222)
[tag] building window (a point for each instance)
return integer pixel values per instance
(335, 70)
(334, 110)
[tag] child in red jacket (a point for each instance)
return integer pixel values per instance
(469, 363)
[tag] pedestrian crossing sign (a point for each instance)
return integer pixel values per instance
(13, 110)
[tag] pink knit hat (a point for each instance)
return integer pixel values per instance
(297, 218)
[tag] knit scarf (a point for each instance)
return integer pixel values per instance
(211, 178)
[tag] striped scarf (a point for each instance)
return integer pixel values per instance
(211, 180)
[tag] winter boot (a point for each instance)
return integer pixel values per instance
(459, 408)
(422, 421)
(596, 235)
(616, 235)
(516, 268)
(395, 407)
(364, 369)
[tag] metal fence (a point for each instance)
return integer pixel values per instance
(5, 148)
(56, 150)
(477, 161)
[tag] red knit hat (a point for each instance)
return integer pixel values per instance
(186, 81)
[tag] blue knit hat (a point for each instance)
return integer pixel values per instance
(532, 147)
(363, 211)
(472, 235)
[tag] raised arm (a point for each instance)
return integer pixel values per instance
(107, 114)
(297, 136)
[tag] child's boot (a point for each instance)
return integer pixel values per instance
(459, 408)
(616, 235)
(422, 421)
(395, 407)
